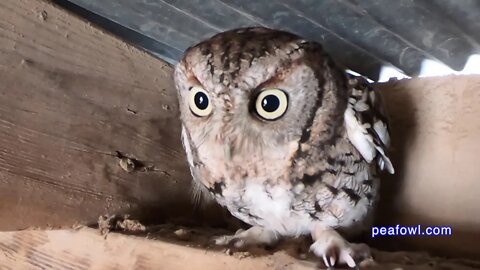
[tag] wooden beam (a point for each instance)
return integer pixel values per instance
(71, 96)
(87, 249)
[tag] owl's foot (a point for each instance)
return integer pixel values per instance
(251, 237)
(335, 250)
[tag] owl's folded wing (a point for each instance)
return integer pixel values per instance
(200, 193)
(366, 123)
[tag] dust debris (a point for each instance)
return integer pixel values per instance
(122, 223)
(43, 15)
(26, 61)
(166, 107)
(130, 164)
(149, 168)
(77, 226)
(127, 164)
(183, 234)
(131, 111)
(108, 202)
(237, 254)
(242, 254)
(165, 173)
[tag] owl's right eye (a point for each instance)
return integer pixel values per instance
(271, 104)
(199, 102)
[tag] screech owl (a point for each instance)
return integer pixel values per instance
(284, 139)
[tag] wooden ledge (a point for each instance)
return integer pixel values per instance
(88, 249)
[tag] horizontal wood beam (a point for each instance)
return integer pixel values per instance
(87, 249)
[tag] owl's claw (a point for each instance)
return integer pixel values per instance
(343, 254)
(333, 249)
(329, 262)
(250, 237)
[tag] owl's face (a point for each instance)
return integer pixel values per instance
(254, 90)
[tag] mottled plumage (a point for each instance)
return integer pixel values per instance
(282, 138)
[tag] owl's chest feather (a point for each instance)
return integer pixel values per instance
(267, 206)
(259, 190)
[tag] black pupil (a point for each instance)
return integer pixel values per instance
(270, 103)
(201, 100)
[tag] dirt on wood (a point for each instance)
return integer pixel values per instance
(121, 223)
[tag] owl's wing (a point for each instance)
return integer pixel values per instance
(201, 196)
(366, 123)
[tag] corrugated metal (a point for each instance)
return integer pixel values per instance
(362, 35)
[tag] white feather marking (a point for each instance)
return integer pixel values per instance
(199, 193)
(273, 208)
(256, 195)
(186, 146)
(381, 128)
(361, 106)
(363, 141)
(357, 136)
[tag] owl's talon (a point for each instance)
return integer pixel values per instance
(343, 254)
(333, 249)
(349, 260)
(329, 261)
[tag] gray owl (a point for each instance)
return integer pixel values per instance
(278, 134)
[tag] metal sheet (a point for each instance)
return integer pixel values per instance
(361, 35)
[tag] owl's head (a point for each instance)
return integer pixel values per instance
(257, 88)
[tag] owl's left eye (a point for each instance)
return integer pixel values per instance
(199, 102)
(271, 104)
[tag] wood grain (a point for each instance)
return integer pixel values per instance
(70, 97)
(86, 249)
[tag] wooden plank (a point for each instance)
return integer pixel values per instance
(70, 97)
(87, 249)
